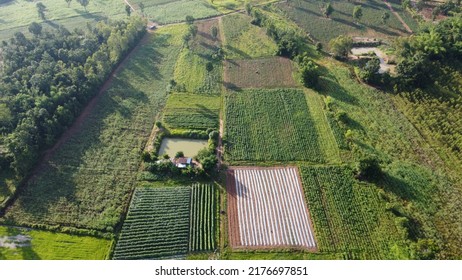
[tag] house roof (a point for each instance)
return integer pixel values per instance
(184, 160)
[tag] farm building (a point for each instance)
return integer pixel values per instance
(183, 162)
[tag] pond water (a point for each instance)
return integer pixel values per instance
(384, 67)
(190, 147)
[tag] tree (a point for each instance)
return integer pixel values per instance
(41, 10)
(68, 3)
(84, 3)
(357, 13)
(369, 73)
(308, 72)
(420, 5)
(248, 8)
(385, 17)
(128, 10)
(368, 168)
(319, 46)
(327, 10)
(35, 28)
(406, 4)
(179, 154)
(189, 20)
(214, 31)
(341, 46)
(209, 66)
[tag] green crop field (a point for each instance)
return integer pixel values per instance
(243, 40)
(307, 14)
(203, 218)
(157, 224)
(348, 218)
(26, 244)
(57, 13)
(191, 111)
(270, 125)
(88, 180)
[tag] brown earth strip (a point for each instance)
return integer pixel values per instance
(233, 221)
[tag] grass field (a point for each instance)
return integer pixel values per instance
(88, 180)
(25, 244)
(57, 13)
(270, 125)
(269, 72)
(191, 73)
(157, 224)
(169, 11)
(243, 40)
(307, 14)
(191, 111)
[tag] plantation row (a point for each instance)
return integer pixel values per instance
(167, 222)
(203, 218)
(348, 218)
(269, 125)
(157, 224)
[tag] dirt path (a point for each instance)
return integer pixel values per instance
(408, 29)
(77, 125)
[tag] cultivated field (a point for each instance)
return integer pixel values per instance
(191, 111)
(157, 224)
(203, 224)
(270, 125)
(204, 42)
(242, 40)
(307, 14)
(27, 244)
(266, 208)
(270, 72)
(87, 181)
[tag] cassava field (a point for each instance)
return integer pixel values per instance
(296, 165)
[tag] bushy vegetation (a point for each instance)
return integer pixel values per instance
(270, 125)
(157, 224)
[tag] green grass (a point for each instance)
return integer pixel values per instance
(191, 74)
(157, 224)
(176, 11)
(191, 111)
(203, 220)
(270, 125)
(88, 181)
(57, 13)
(244, 40)
(307, 14)
(43, 245)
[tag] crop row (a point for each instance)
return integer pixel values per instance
(203, 218)
(270, 125)
(157, 224)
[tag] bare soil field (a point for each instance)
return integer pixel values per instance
(267, 209)
(270, 72)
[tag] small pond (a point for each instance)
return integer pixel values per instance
(190, 147)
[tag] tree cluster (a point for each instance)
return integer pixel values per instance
(46, 80)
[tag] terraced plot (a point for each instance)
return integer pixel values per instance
(266, 209)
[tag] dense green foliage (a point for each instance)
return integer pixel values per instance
(43, 245)
(203, 225)
(268, 125)
(48, 79)
(88, 180)
(157, 224)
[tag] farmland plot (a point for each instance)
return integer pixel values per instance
(259, 73)
(157, 224)
(266, 208)
(270, 125)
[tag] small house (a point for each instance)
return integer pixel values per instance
(183, 162)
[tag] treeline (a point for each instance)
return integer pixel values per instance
(47, 79)
(423, 57)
